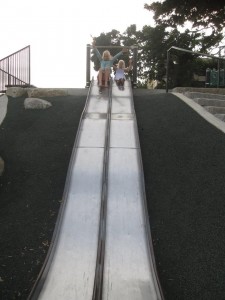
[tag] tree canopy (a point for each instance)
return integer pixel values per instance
(153, 42)
(201, 13)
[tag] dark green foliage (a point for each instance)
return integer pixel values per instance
(204, 16)
(204, 13)
(153, 42)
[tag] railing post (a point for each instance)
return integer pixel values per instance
(135, 47)
(167, 69)
(29, 71)
(8, 70)
(218, 70)
(88, 69)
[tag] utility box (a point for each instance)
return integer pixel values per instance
(215, 78)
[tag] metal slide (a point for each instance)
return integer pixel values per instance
(102, 244)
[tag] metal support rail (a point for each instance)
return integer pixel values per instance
(98, 283)
(13, 78)
(15, 69)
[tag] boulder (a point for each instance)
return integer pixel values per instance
(45, 92)
(16, 92)
(36, 103)
(3, 107)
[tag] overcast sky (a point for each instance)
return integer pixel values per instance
(58, 32)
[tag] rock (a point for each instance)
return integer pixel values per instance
(3, 107)
(2, 166)
(44, 92)
(36, 103)
(16, 92)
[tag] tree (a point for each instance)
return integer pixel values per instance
(153, 43)
(133, 37)
(207, 18)
(201, 13)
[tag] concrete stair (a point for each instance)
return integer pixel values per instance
(210, 102)
(213, 103)
(215, 109)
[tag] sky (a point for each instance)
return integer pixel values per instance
(58, 32)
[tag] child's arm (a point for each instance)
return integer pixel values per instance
(119, 54)
(130, 67)
(96, 50)
(114, 67)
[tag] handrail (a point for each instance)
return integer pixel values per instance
(15, 69)
(14, 77)
(15, 53)
(188, 51)
(117, 47)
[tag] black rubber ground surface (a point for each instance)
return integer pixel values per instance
(36, 146)
(184, 165)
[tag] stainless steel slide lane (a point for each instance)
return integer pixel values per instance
(128, 269)
(102, 243)
(72, 263)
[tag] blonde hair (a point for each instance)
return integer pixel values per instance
(106, 55)
(121, 64)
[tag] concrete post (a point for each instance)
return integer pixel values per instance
(88, 67)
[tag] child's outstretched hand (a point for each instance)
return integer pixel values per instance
(94, 42)
(124, 50)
